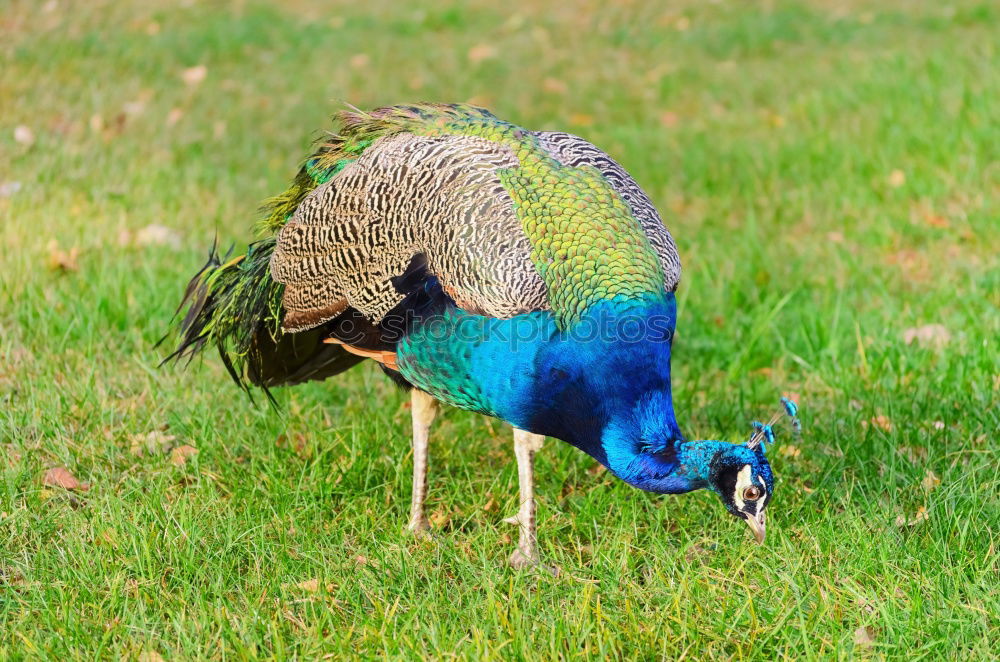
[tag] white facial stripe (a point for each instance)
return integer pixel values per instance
(743, 479)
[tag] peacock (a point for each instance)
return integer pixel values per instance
(520, 274)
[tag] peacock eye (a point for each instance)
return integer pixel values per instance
(751, 493)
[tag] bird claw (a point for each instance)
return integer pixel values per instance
(520, 560)
(420, 529)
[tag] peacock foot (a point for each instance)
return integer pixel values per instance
(519, 559)
(420, 528)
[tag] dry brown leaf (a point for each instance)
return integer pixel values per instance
(152, 28)
(179, 456)
(896, 178)
(364, 560)
(174, 116)
(928, 335)
(581, 119)
(62, 477)
(150, 656)
(154, 441)
(155, 234)
(794, 396)
(597, 469)
(23, 135)
(481, 52)
(481, 100)
(194, 75)
(314, 586)
(916, 266)
(134, 108)
(60, 260)
(864, 636)
(669, 119)
(695, 552)
(12, 454)
(298, 443)
(440, 518)
(936, 221)
(790, 450)
(359, 61)
(930, 481)
(914, 454)
(881, 421)
(920, 516)
(555, 86)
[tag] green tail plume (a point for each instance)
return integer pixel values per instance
(235, 305)
(230, 303)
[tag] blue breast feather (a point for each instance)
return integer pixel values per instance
(602, 385)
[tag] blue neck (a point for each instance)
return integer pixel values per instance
(613, 400)
(602, 385)
(684, 468)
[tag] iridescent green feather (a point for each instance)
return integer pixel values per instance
(586, 243)
(230, 302)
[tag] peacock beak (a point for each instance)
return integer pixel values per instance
(756, 523)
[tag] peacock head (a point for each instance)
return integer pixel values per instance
(649, 454)
(741, 476)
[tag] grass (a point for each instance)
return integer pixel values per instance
(830, 174)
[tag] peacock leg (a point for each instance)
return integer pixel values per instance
(423, 409)
(526, 445)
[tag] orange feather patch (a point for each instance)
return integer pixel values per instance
(388, 359)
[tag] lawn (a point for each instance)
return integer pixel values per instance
(830, 172)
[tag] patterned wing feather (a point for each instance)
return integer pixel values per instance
(508, 221)
(505, 220)
(406, 195)
(574, 151)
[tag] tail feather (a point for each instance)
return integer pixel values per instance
(230, 303)
(234, 303)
